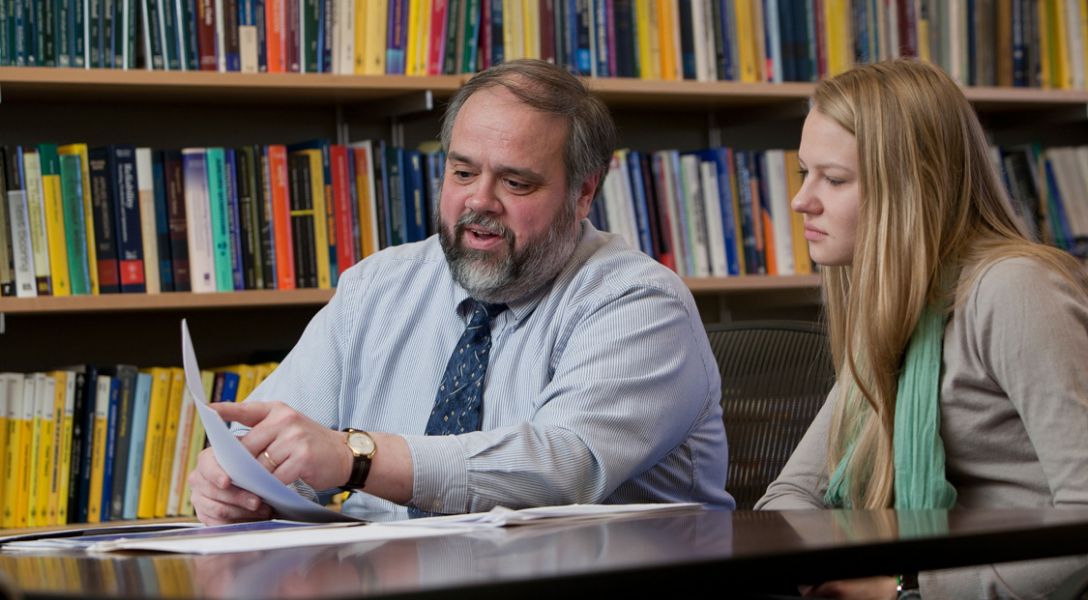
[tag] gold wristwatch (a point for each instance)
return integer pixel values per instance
(363, 449)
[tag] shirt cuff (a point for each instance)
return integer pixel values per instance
(439, 474)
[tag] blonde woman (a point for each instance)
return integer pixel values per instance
(960, 344)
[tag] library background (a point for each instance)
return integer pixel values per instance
(223, 161)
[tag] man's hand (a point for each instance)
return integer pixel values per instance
(216, 500)
(291, 445)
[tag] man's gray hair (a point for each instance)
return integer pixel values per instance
(591, 137)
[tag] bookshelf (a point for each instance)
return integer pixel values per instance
(175, 109)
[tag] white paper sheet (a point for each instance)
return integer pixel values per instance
(504, 517)
(243, 468)
(339, 533)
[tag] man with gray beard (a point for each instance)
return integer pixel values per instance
(519, 358)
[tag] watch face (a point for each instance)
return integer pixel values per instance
(360, 443)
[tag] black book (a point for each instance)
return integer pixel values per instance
(302, 220)
(126, 376)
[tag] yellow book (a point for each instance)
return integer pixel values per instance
(36, 416)
(1084, 34)
(365, 192)
(47, 453)
(180, 455)
(321, 236)
(80, 150)
(6, 449)
(512, 29)
(263, 371)
(55, 235)
(64, 458)
(802, 264)
(173, 414)
(747, 53)
(156, 433)
(247, 379)
(411, 53)
(196, 444)
(359, 31)
(665, 32)
(376, 13)
(1061, 75)
(837, 28)
(531, 27)
(642, 25)
(103, 383)
(25, 388)
(426, 8)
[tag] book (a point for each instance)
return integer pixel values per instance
(280, 201)
(103, 390)
(153, 445)
(162, 222)
(125, 376)
(18, 221)
(8, 453)
(130, 246)
(104, 207)
(141, 401)
(72, 194)
(32, 182)
(202, 273)
(81, 151)
(176, 395)
(219, 211)
(54, 219)
(174, 176)
(145, 198)
(67, 381)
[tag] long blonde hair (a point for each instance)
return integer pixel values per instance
(932, 213)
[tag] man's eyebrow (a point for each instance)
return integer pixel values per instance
(528, 175)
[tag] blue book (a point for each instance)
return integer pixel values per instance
(130, 245)
(602, 32)
(258, 11)
(638, 198)
(220, 219)
(324, 36)
(111, 448)
(721, 159)
(748, 211)
(396, 34)
(415, 204)
(234, 218)
(141, 404)
(171, 52)
(162, 222)
(1059, 223)
(498, 52)
(583, 57)
(687, 42)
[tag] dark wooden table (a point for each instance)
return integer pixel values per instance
(696, 550)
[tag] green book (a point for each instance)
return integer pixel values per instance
(71, 190)
(217, 200)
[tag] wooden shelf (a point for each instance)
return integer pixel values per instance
(751, 283)
(311, 297)
(166, 301)
(19, 84)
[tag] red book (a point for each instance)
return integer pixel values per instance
(274, 36)
(292, 32)
(281, 216)
(206, 35)
(547, 31)
(342, 212)
(438, 37)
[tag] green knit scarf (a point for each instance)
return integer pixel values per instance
(920, 481)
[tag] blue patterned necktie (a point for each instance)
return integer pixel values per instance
(460, 394)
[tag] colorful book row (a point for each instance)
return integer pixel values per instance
(1049, 188)
(92, 444)
(717, 212)
(124, 219)
(1038, 43)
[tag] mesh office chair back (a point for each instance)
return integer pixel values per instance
(775, 377)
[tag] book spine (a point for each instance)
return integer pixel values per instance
(130, 247)
(125, 376)
(281, 217)
(250, 234)
(162, 221)
(145, 186)
(32, 181)
(174, 184)
(302, 221)
(206, 35)
(230, 179)
(220, 219)
(74, 223)
(346, 254)
(198, 221)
